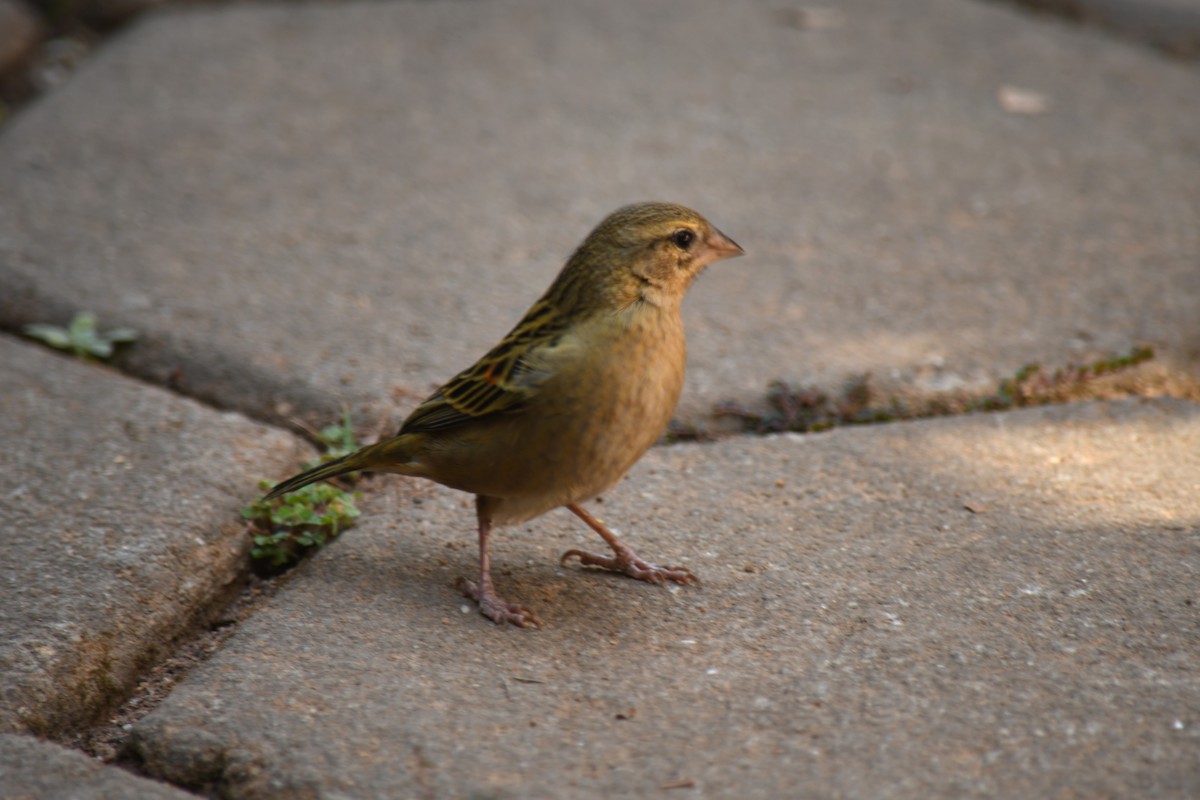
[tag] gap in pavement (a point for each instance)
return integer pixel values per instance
(103, 740)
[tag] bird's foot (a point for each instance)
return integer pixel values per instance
(626, 561)
(495, 608)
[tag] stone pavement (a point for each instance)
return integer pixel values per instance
(860, 631)
(120, 527)
(31, 769)
(293, 204)
(301, 209)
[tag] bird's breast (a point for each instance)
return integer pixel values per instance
(629, 376)
(613, 383)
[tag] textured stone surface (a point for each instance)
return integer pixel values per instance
(985, 606)
(120, 530)
(31, 769)
(350, 202)
(300, 206)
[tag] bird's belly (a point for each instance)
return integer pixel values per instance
(577, 438)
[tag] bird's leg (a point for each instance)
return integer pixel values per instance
(624, 559)
(490, 604)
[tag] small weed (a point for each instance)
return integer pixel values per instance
(806, 409)
(1033, 386)
(81, 337)
(285, 529)
(338, 438)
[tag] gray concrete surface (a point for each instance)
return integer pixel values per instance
(304, 206)
(120, 529)
(31, 769)
(861, 632)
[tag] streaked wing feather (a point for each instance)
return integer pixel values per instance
(500, 382)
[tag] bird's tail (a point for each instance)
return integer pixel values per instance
(387, 455)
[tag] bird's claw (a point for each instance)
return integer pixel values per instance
(496, 609)
(633, 566)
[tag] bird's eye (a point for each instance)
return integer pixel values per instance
(683, 238)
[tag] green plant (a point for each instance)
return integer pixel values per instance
(808, 409)
(81, 337)
(338, 438)
(288, 527)
(1034, 386)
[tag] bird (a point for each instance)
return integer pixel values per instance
(557, 412)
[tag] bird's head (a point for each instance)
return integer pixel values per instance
(647, 252)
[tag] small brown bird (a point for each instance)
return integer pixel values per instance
(558, 411)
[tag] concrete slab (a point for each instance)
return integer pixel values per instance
(305, 205)
(992, 605)
(31, 769)
(120, 530)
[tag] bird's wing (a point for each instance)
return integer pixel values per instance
(500, 382)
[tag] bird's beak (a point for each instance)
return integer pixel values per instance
(721, 246)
